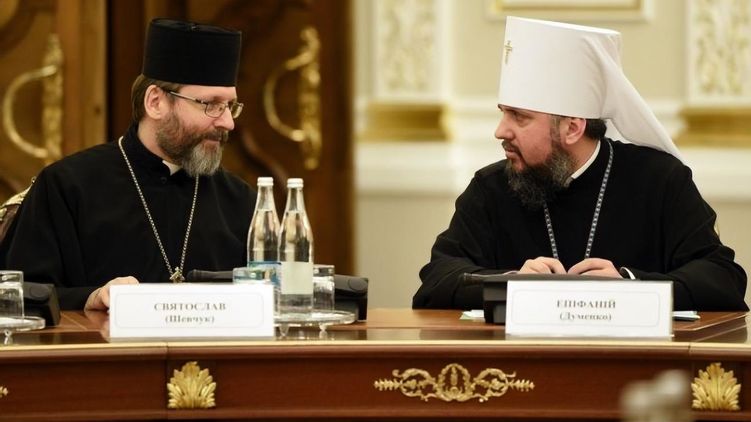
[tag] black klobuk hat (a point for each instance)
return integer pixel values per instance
(191, 53)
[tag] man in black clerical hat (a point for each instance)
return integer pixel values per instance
(155, 203)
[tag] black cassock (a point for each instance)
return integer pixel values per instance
(83, 224)
(653, 221)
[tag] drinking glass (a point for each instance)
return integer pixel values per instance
(11, 294)
(323, 287)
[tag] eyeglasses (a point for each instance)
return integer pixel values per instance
(214, 109)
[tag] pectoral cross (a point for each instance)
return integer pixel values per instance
(508, 49)
(177, 276)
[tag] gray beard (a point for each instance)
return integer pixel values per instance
(201, 162)
(184, 149)
(538, 185)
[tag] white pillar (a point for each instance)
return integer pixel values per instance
(410, 67)
(718, 81)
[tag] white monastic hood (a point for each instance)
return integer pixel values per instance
(575, 71)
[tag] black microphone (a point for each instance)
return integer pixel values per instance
(474, 278)
(197, 276)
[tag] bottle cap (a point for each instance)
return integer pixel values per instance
(294, 183)
(265, 181)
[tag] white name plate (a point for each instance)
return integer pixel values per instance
(191, 310)
(589, 308)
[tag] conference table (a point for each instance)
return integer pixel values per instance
(401, 364)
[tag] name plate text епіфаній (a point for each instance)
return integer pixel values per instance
(589, 308)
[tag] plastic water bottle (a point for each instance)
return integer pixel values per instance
(263, 234)
(296, 253)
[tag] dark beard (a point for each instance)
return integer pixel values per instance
(184, 149)
(537, 185)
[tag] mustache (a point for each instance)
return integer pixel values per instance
(218, 135)
(509, 147)
(221, 136)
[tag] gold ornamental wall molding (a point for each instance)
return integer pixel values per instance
(715, 389)
(728, 126)
(394, 121)
(51, 76)
(191, 388)
(3, 391)
(571, 10)
(454, 383)
(306, 62)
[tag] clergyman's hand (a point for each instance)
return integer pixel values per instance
(542, 265)
(595, 266)
(99, 299)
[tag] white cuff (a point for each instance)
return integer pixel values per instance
(626, 272)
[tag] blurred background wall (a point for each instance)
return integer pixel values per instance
(426, 79)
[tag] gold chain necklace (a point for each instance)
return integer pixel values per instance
(176, 275)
